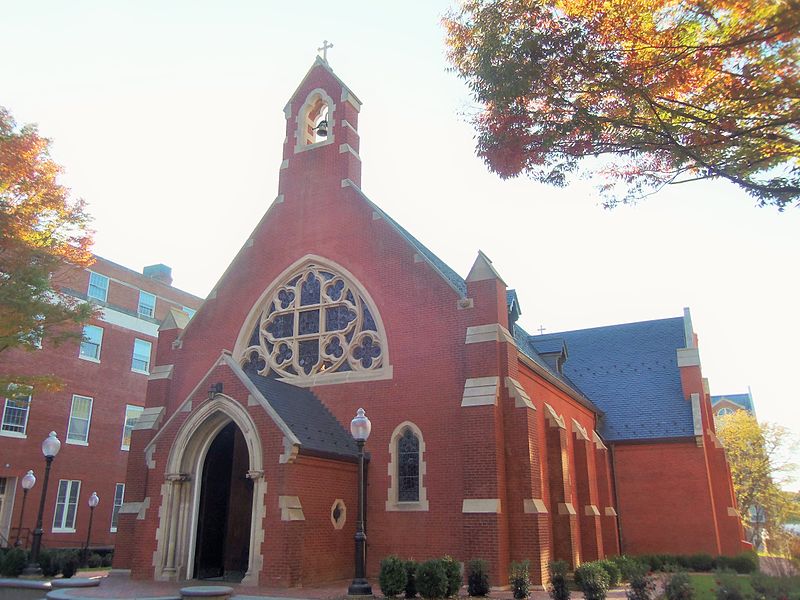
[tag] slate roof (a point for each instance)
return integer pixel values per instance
(742, 400)
(314, 425)
(631, 373)
(549, 345)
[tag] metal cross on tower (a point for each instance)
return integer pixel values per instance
(541, 329)
(324, 49)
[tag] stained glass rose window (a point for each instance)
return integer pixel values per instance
(315, 322)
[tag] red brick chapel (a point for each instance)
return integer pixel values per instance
(486, 442)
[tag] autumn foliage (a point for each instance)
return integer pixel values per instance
(43, 233)
(638, 93)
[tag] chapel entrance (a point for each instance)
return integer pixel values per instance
(225, 510)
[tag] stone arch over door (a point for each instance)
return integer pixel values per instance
(180, 492)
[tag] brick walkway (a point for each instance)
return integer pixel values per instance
(120, 587)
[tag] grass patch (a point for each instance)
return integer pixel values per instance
(705, 585)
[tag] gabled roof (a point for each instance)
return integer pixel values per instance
(318, 431)
(631, 373)
(745, 401)
(320, 62)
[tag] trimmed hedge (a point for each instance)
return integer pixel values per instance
(519, 578)
(679, 587)
(453, 572)
(14, 562)
(746, 562)
(593, 580)
(392, 576)
(431, 579)
(558, 589)
(411, 578)
(477, 578)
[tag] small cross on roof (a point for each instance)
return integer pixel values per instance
(324, 49)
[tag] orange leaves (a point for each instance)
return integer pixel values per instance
(662, 88)
(42, 231)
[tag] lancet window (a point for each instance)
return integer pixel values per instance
(315, 322)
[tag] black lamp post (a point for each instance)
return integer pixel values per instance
(94, 500)
(360, 428)
(28, 481)
(50, 447)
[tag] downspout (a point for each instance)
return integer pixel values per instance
(616, 497)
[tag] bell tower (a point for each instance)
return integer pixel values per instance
(320, 150)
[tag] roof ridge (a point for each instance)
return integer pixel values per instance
(615, 325)
(446, 271)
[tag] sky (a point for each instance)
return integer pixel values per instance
(168, 119)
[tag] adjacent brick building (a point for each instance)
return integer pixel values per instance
(486, 442)
(105, 380)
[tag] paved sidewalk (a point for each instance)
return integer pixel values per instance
(120, 586)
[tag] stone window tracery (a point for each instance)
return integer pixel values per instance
(316, 321)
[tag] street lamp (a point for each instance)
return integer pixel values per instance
(28, 481)
(50, 447)
(360, 428)
(94, 500)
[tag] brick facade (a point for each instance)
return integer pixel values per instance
(514, 467)
(99, 463)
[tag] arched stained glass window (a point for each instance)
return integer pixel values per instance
(314, 322)
(408, 467)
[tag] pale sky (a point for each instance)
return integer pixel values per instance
(168, 118)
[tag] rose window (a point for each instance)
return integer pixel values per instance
(316, 322)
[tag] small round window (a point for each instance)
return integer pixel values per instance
(338, 513)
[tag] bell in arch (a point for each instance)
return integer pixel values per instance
(322, 128)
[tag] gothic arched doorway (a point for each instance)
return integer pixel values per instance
(224, 514)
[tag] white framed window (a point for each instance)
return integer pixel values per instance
(147, 304)
(80, 417)
(92, 342)
(141, 356)
(131, 414)
(98, 286)
(407, 468)
(15, 416)
(66, 505)
(189, 311)
(119, 495)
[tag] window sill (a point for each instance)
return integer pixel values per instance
(113, 530)
(89, 358)
(421, 506)
(54, 530)
(125, 448)
(140, 371)
(14, 434)
(77, 442)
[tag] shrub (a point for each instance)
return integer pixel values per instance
(642, 586)
(452, 571)
(95, 560)
(746, 562)
(411, 578)
(478, 578)
(593, 581)
(614, 574)
(628, 566)
(519, 578)
(701, 562)
(729, 587)
(431, 579)
(775, 588)
(679, 587)
(70, 563)
(48, 561)
(107, 559)
(14, 562)
(392, 577)
(558, 589)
